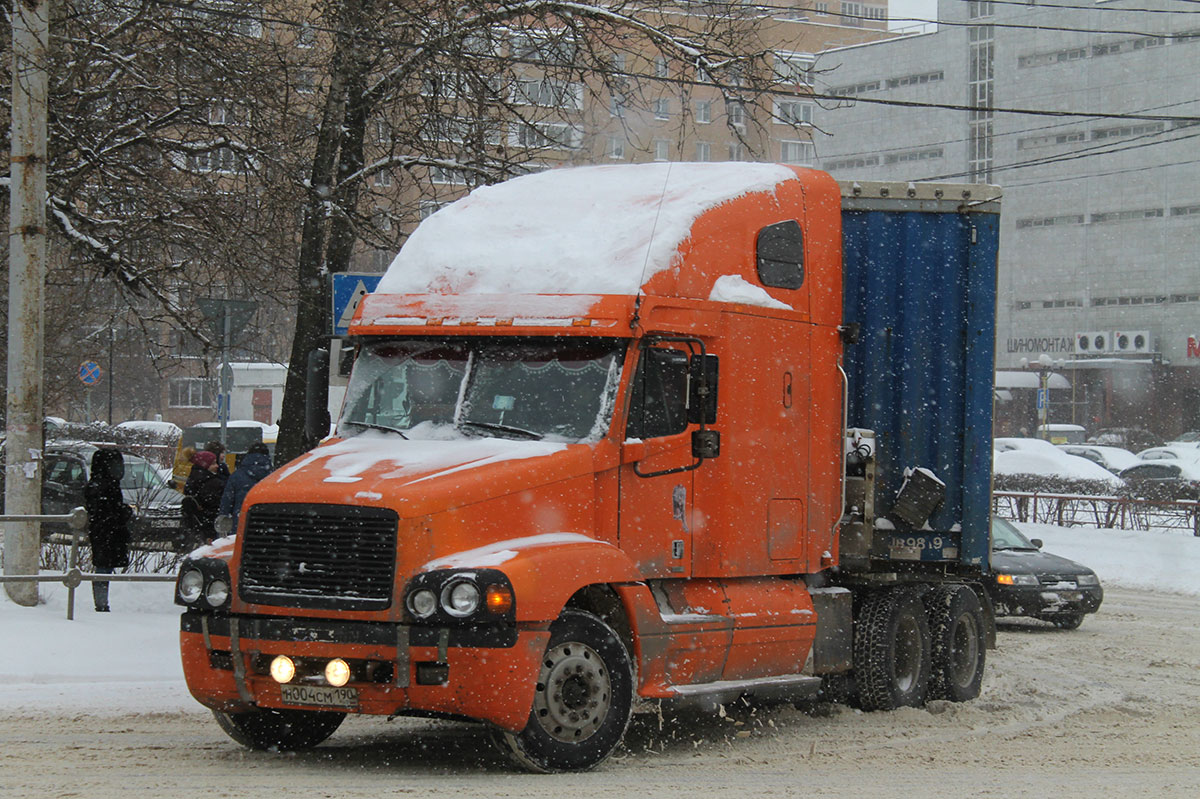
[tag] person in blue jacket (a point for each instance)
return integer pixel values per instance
(254, 466)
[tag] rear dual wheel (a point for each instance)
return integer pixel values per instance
(892, 660)
(958, 643)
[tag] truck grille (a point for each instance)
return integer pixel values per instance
(319, 556)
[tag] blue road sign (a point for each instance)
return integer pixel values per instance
(1043, 398)
(90, 373)
(348, 290)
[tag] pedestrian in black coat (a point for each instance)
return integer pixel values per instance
(108, 519)
(202, 498)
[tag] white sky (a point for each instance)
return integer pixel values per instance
(921, 9)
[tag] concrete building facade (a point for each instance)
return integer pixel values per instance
(1100, 244)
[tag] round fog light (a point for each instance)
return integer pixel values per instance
(337, 672)
(191, 585)
(282, 669)
(460, 599)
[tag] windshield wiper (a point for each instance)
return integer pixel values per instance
(374, 426)
(502, 428)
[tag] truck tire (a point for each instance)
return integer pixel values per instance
(583, 700)
(891, 651)
(279, 730)
(958, 643)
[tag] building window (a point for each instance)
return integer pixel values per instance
(796, 152)
(549, 93)
(662, 108)
(441, 174)
(660, 67)
(703, 151)
(616, 104)
(793, 112)
(616, 147)
(737, 151)
(189, 392)
(662, 150)
(736, 112)
(428, 208)
(704, 111)
(794, 68)
(382, 178)
(306, 81)
(545, 135)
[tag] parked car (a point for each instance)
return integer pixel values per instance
(1112, 458)
(66, 467)
(1033, 456)
(1131, 438)
(1191, 437)
(1062, 433)
(1171, 452)
(1164, 479)
(1029, 582)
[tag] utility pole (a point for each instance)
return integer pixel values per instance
(26, 290)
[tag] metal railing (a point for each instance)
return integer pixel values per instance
(73, 576)
(1074, 510)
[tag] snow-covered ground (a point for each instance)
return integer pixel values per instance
(128, 660)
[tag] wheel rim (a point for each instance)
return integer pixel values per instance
(574, 693)
(964, 651)
(908, 654)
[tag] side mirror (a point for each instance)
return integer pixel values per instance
(702, 389)
(1037, 542)
(316, 395)
(706, 444)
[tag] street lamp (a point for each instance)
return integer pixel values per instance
(1044, 366)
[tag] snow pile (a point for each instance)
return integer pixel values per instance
(588, 230)
(735, 288)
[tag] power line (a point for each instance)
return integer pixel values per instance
(993, 109)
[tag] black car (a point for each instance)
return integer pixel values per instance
(1029, 582)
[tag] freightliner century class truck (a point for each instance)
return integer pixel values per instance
(628, 435)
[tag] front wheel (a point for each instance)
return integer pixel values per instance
(583, 699)
(279, 730)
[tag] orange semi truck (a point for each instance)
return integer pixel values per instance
(622, 436)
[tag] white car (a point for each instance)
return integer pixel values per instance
(1033, 456)
(1172, 452)
(1112, 458)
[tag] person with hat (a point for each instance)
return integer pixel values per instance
(109, 518)
(202, 498)
(254, 467)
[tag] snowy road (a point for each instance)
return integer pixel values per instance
(1110, 709)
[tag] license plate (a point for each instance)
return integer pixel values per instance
(319, 695)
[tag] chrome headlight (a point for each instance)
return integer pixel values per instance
(1087, 580)
(422, 603)
(460, 598)
(191, 585)
(217, 593)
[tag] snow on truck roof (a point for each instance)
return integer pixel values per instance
(584, 230)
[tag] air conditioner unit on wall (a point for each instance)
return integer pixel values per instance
(1095, 342)
(1131, 341)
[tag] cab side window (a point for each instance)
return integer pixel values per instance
(658, 405)
(780, 251)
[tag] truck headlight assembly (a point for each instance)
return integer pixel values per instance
(203, 577)
(460, 598)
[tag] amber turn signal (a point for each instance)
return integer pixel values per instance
(499, 599)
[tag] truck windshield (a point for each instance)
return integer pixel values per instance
(552, 389)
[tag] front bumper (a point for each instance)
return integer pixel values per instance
(1043, 601)
(484, 674)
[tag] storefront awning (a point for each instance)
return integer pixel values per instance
(1005, 379)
